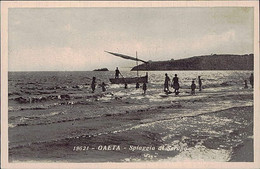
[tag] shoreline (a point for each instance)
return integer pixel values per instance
(64, 146)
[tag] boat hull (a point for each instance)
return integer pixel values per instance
(143, 79)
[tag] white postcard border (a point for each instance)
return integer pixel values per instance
(59, 4)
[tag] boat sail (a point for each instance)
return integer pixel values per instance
(126, 56)
(123, 80)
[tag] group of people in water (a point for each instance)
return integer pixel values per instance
(137, 86)
(175, 84)
(94, 83)
(117, 73)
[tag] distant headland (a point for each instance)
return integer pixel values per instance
(102, 69)
(207, 62)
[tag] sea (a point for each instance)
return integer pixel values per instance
(55, 117)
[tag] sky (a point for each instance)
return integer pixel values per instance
(74, 39)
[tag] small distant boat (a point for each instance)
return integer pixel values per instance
(102, 69)
(129, 80)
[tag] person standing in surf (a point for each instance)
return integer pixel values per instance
(117, 73)
(200, 83)
(193, 87)
(93, 84)
(246, 84)
(144, 88)
(175, 84)
(137, 85)
(251, 80)
(103, 86)
(166, 83)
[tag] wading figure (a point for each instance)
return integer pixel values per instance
(166, 83)
(251, 80)
(246, 84)
(144, 88)
(103, 86)
(175, 84)
(193, 87)
(200, 83)
(93, 84)
(137, 85)
(117, 73)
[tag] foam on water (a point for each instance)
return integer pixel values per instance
(11, 125)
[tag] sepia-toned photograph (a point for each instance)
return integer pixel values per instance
(131, 84)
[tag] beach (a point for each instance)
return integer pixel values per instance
(54, 117)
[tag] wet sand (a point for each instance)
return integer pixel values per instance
(219, 131)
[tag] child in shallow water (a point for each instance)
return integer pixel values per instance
(193, 87)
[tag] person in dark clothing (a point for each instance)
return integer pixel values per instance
(246, 84)
(103, 86)
(175, 84)
(166, 83)
(200, 83)
(144, 88)
(137, 86)
(193, 87)
(117, 73)
(251, 80)
(125, 85)
(93, 84)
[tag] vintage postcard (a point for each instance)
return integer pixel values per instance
(130, 84)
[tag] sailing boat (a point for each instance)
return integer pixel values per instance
(129, 80)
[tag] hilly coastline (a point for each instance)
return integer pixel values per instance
(207, 62)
